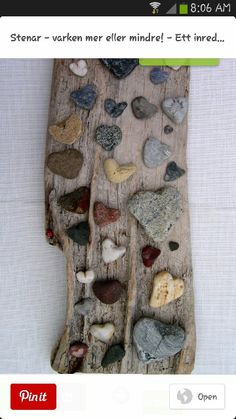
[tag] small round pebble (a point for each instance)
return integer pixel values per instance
(168, 129)
(114, 354)
(173, 246)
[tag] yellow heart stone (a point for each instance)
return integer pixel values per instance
(165, 289)
(68, 131)
(116, 173)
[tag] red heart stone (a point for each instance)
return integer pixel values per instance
(108, 291)
(104, 215)
(149, 255)
(78, 349)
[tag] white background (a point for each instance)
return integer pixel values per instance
(33, 286)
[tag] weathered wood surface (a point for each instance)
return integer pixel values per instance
(129, 270)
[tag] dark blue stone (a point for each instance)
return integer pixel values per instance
(121, 68)
(114, 109)
(158, 76)
(173, 172)
(85, 97)
(168, 129)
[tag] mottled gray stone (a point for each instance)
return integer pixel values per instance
(155, 341)
(158, 76)
(155, 152)
(120, 67)
(157, 211)
(108, 137)
(85, 97)
(114, 109)
(142, 109)
(173, 172)
(85, 306)
(175, 108)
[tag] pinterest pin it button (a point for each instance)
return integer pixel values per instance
(33, 396)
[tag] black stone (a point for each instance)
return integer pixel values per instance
(173, 172)
(121, 68)
(168, 129)
(114, 109)
(79, 233)
(114, 354)
(158, 76)
(173, 246)
(85, 97)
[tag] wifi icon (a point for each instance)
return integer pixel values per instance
(155, 5)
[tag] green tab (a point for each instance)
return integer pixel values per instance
(179, 61)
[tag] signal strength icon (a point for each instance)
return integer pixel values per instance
(155, 5)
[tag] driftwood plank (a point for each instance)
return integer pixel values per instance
(129, 270)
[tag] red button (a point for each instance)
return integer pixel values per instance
(33, 396)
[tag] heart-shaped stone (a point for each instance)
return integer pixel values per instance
(85, 306)
(76, 201)
(165, 289)
(121, 68)
(155, 341)
(142, 109)
(157, 211)
(114, 109)
(149, 255)
(66, 163)
(79, 68)
(79, 233)
(102, 332)
(85, 97)
(108, 291)
(114, 354)
(78, 350)
(85, 277)
(68, 131)
(111, 252)
(118, 173)
(104, 215)
(173, 172)
(108, 137)
(175, 108)
(155, 152)
(158, 76)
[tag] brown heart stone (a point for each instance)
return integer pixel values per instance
(76, 201)
(104, 215)
(66, 163)
(108, 291)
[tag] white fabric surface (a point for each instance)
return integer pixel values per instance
(33, 289)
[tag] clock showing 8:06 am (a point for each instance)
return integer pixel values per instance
(213, 8)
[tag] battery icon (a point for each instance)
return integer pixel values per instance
(183, 9)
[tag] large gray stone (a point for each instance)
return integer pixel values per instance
(157, 211)
(155, 152)
(155, 341)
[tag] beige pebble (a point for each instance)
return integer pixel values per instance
(67, 131)
(85, 277)
(79, 68)
(165, 289)
(102, 332)
(118, 173)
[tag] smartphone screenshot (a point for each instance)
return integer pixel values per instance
(118, 210)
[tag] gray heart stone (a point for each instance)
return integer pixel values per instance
(155, 341)
(155, 152)
(142, 109)
(157, 211)
(175, 108)
(173, 172)
(108, 137)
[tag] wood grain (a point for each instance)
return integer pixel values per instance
(126, 232)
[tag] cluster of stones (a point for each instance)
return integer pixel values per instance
(157, 212)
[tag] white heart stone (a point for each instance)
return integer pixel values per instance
(79, 68)
(111, 252)
(102, 332)
(175, 67)
(85, 277)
